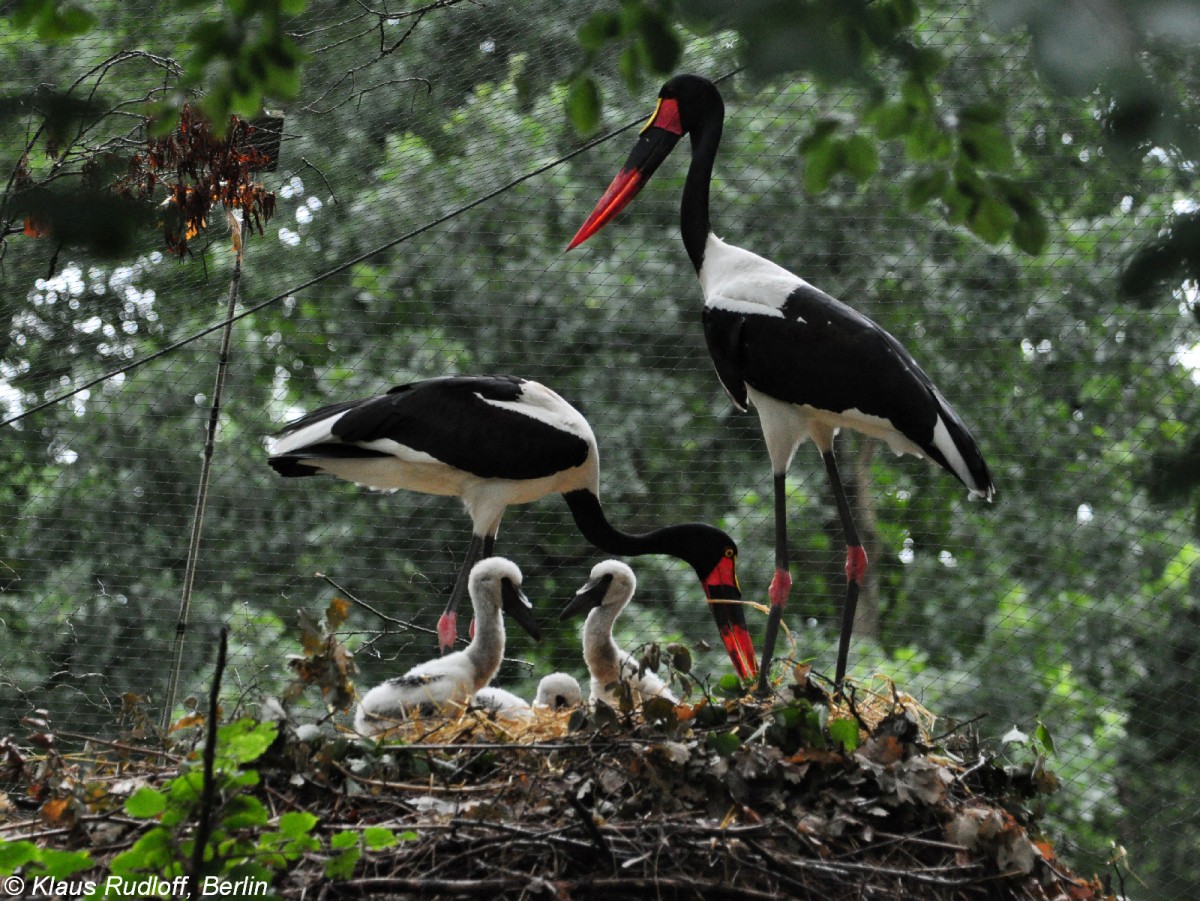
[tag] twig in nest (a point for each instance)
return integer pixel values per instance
(590, 827)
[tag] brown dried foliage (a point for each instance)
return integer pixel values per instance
(568, 806)
(199, 171)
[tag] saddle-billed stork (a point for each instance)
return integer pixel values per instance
(448, 683)
(807, 362)
(608, 591)
(493, 441)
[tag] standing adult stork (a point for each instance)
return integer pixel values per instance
(807, 362)
(493, 441)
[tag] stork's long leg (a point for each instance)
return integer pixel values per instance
(447, 627)
(781, 582)
(856, 565)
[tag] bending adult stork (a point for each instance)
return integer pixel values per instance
(493, 441)
(810, 364)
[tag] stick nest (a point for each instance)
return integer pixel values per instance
(737, 798)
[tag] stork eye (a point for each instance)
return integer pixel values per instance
(730, 552)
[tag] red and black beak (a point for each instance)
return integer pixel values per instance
(654, 145)
(722, 585)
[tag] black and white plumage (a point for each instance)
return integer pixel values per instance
(494, 441)
(502, 703)
(808, 363)
(606, 594)
(448, 683)
(558, 691)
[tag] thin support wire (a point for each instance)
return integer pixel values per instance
(210, 441)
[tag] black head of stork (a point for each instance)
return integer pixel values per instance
(809, 364)
(687, 104)
(493, 441)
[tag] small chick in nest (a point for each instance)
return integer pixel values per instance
(558, 691)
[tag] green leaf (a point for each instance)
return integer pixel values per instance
(597, 31)
(342, 866)
(16, 854)
(1044, 738)
(821, 132)
(891, 120)
(821, 164)
(861, 159)
(54, 20)
(245, 740)
(345, 839)
(730, 685)
(991, 220)
(376, 838)
(297, 823)
(583, 104)
(63, 864)
(630, 64)
(981, 113)
(153, 851)
(243, 811)
(926, 62)
(724, 743)
(1031, 232)
(924, 187)
(146, 802)
(845, 733)
(662, 45)
(986, 146)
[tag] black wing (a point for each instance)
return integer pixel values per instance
(824, 354)
(450, 419)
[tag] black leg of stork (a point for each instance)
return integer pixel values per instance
(856, 567)
(447, 627)
(781, 583)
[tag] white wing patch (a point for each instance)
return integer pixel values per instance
(733, 275)
(318, 432)
(540, 403)
(744, 307)
(945, 443)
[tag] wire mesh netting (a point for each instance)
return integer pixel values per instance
(423, 200)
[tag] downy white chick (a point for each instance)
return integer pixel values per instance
(609, 589)
(448, 683)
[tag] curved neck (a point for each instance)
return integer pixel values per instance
(694, 222)
(600, 650)
(596, 528)
(486, 649)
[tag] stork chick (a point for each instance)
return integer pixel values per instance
(606, 594)
(447, 683)
(558, 691)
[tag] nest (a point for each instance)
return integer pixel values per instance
(735, 798)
